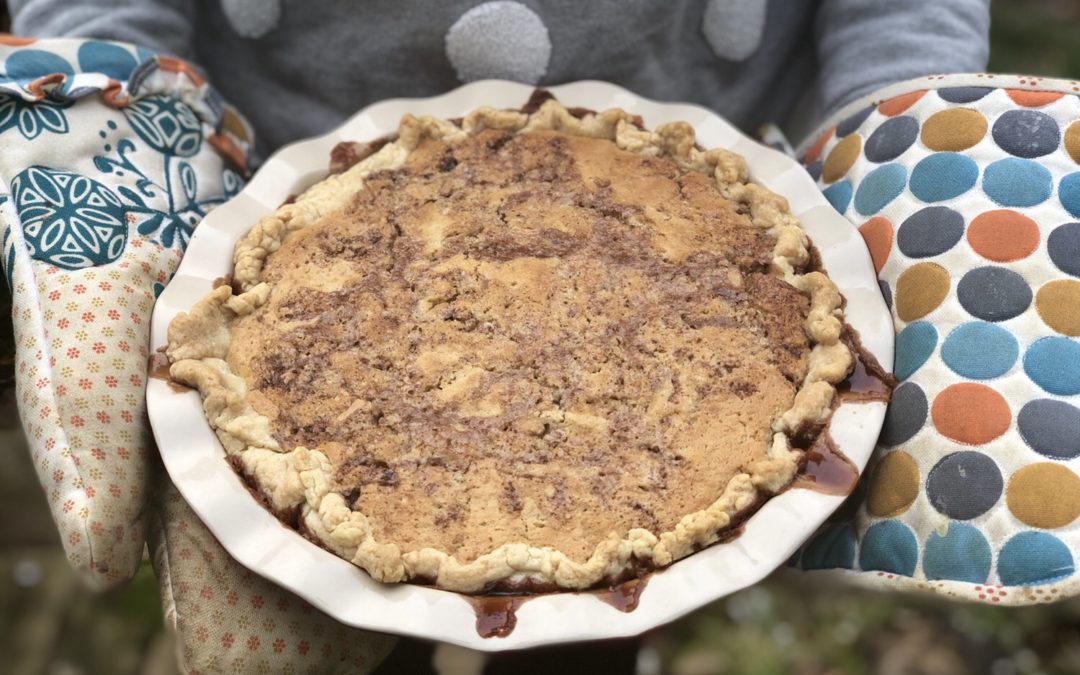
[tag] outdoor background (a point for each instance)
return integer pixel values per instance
(50, 624)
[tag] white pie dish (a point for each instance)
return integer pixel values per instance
(195, 459)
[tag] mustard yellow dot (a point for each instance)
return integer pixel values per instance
(1044, 495)
(1058, 303)
(894, 485)
(953, 129)
(920, 289)
(1072, 141)
(841, 158)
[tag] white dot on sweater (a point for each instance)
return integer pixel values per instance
(733, 28)
(501, 40)
(252, 18)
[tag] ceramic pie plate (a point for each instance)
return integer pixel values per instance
(196, 462)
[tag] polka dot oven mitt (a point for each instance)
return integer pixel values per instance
(966, 189)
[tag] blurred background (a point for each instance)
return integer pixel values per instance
(50, 624)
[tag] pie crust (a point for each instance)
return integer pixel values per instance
(563, 349)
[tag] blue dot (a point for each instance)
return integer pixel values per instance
(962, 554)
(943, 175)
(889, 546)
(980, 351)
(1017, 182)
(1033, 558)
(839, 195)
(103, 57)
(144, 54)
(879, 187)
(1069, 193)
(914, 345)
(30, 64)
(853, 122)
(1053, 363)
(834, 547)
(793, 561)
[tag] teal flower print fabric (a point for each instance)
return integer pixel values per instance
(112, 156)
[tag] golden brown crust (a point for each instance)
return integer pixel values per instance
(658, 446)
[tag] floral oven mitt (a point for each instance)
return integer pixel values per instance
(966, 189)
(111, 156)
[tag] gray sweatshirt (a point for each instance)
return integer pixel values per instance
(300, 67)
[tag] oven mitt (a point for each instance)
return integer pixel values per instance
(229, 619)
(111, 156)
(966, 189)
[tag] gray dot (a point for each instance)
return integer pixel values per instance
(499, 40)
(964, 485)
(891, 139)
(993, 293)
(1051, 428)
(850, 124)
(1063, 245)
(886, 292)
(906, 415)
(963, 94)
(814, 169)
(929, 232)
(1026, 133)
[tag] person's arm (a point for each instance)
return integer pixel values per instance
(160, 25)
(863, 45)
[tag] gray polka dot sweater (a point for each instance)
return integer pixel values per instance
(299, 67)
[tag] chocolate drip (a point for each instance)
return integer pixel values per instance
(157, 367)
(827, 469)
(625, 596)
(496, 615)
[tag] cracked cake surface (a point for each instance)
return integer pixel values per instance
(518, 350)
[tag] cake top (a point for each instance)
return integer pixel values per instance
(506, 342)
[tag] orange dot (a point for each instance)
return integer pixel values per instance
(1033, 99)
(898, 104)
(970, 413)
(15, 41)
(815, 150)
(1003, 235)
(878, 235)
(920, 289)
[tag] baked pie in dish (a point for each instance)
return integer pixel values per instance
(524, 350)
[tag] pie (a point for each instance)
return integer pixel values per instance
(526, 349)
